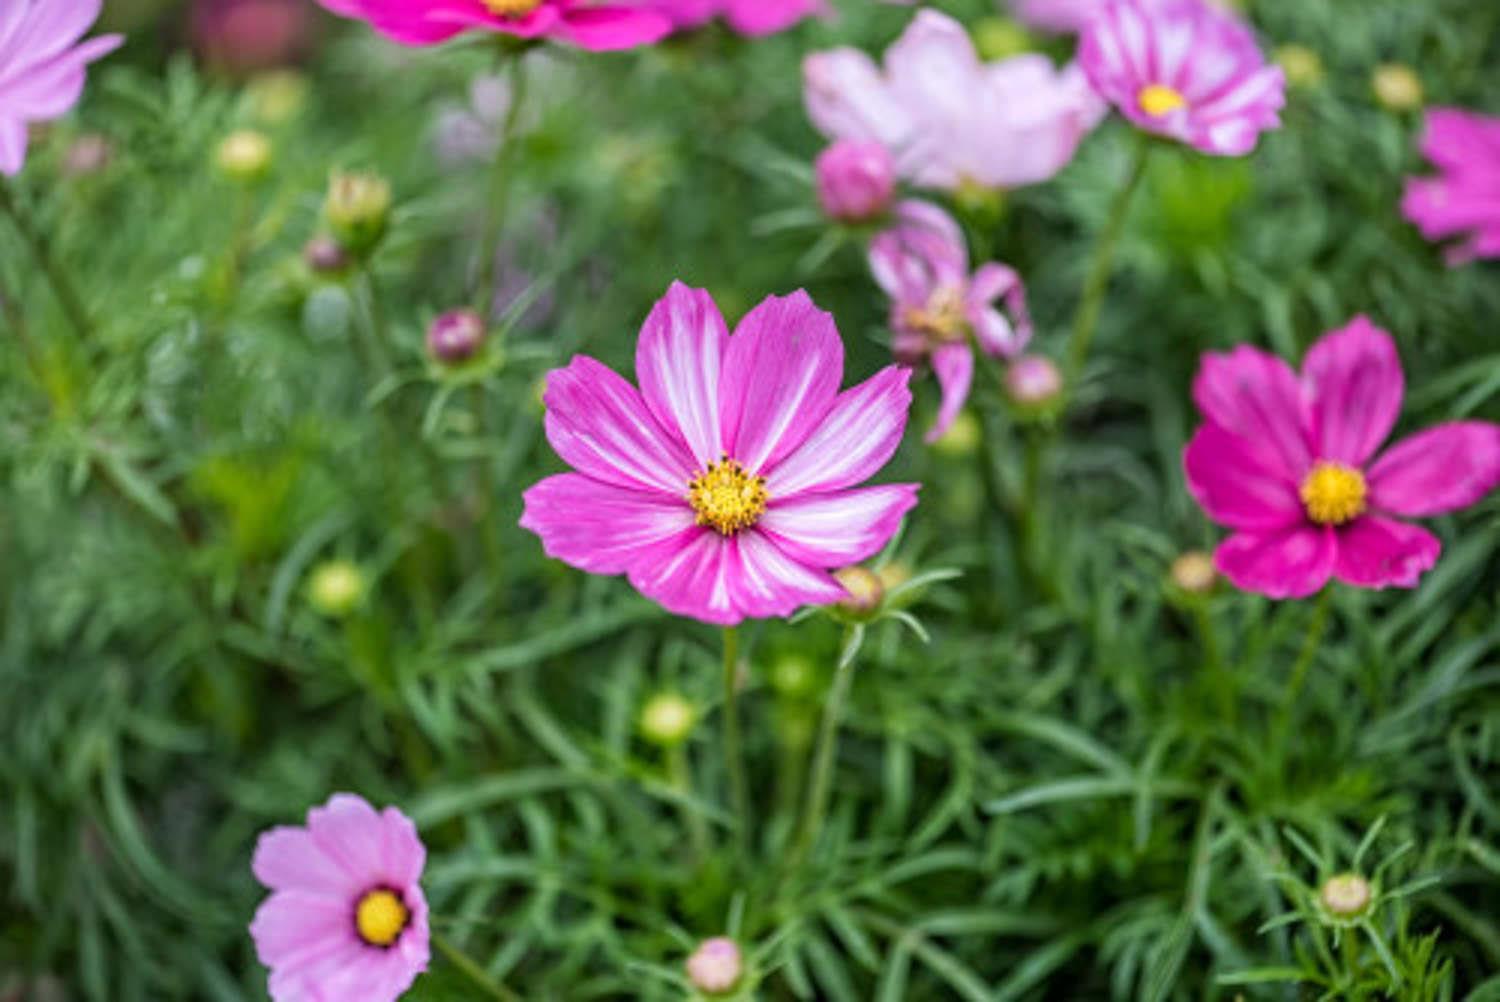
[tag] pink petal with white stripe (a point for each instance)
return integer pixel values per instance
(678, 361)
(851, 444)
(834, 530)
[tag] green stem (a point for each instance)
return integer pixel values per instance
(1310, 642)
(1213, 661)
(828, 739)
(680, 773)
(734, 759)
(472, 970)
(1086, 321)
(380, 331)
(499, 191)
(41, 252)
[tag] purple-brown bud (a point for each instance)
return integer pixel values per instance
(455, 336)
(856, 180)
(325, 256)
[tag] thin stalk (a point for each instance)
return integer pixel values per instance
(472, 970)
(1086, 320)
(1218, 669)
(499, 191)
(485, 486)
(828, 738)
(680, 774)
(734, 758)
(380, 332)
(41, 252)
(1310, 642)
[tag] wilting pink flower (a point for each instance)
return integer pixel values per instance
(1184, 69)
(747, 17)
(922, 263)
(948, 118)
(346, 918)
(42, 66)
(579, 22)
(856, 181)
(1286, 462)
(725, 487)
(1464, 198)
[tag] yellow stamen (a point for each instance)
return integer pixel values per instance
(1157, 100)
(1333, 493)
(380, 917)
(942, 318)
(727, 498)
(511, 8)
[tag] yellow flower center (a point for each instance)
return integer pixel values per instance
(727, 498)
(1333, 493)
(380, 917)
(942, 318)
(511, 8)
(1158, 99)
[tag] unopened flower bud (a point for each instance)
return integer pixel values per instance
(1397, 87)
(1001, 38)
(864, 589)
(244, 155)
(277, 96)
(716, 966)
(667, 719)
(324, 256)
(1302, 66)
(962, 437)
(1033, 382)
(357, 209)
(455, 336)
(1194, 572)
(1346, 895)
(90, 153)
(336, 588)
(894, 574)
(856, 180)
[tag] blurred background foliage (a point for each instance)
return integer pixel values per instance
(1074, 791)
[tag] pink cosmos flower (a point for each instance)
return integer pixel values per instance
(724, 487)
(1464, 199)
(922, 263)
(948, 118)
(855, 181)
(346, 918)
(747, 17)
(1286, 462)
(42, 66)
(1184, 69)
(1056, 15)
(579, 22)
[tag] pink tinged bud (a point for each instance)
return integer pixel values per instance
(715, 967)
(455, 336)
(1033, 381)
(865, 590)
(325, 256)
(856, 180)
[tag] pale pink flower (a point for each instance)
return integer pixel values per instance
(948, 118)
(716, 966)
(578, 22)
(746, 17)
(724, 488)
(856, 180)
(1056, 15)
(42, 65)
(346, 918)
(1463, 200)
(1287, 463)
(922, 263)
(1186, 70)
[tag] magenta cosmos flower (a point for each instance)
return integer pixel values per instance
(948, 118)
(346, 918)
(587, 25)
(922, 263)
(1184, 69)
(746, 17)
(1464, 199)
(42, 66)
(1286, 463)
(725, 487)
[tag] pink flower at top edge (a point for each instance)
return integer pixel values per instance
(346, 918)
(948, 118)
(1185, 70)
(1463, 199)
(922, 263)
(725, 487)
(754, 18)
(1289, 464)
(576, 22)
(42, 66)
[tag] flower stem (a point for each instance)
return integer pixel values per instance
(680, 773)
(734, 759)
(472, 970)
(1086, 321)
(499, 191)
(828, 739)
(1310, 642)
(41, 252)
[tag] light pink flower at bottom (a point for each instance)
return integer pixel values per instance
(1289, 463)
(725, 487)
(346, 918)
(1463, 200)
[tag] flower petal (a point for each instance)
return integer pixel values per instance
(856, 439)
(781, 376)
(1256, 397)
(607, 29)
(599, 425)
(1294, 563)
(1442, 469)
(350, 833)
(834, 530)
(692, 581)
(1377, 552)
(847, 98)
(603, 528)
(953, 365)
(296, 930)
(1354, 386)
(678, 362)
(765, 581)
(1235, 483)
(997, 334)
(289, 859)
